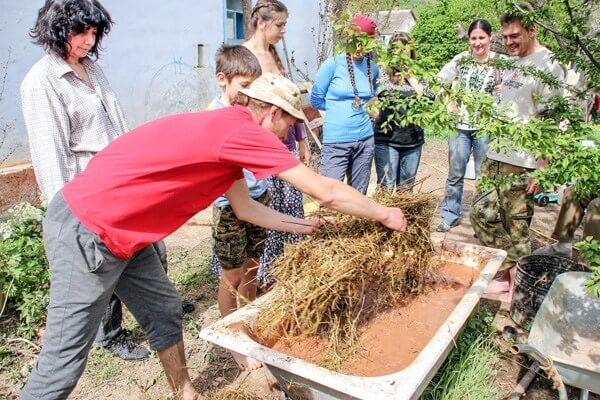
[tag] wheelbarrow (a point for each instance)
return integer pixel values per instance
(565, 335)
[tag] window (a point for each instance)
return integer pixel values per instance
(234, 21)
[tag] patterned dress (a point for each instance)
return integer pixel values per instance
(286, 199)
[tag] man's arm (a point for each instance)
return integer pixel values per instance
(338, 196)
(250, 210)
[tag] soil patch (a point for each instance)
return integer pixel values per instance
(394, 338)
(17, 185)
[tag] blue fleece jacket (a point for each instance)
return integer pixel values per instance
(332, 92)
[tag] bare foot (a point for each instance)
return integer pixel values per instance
(189, 393)
(506, 297)
(246, 363)
(498, 286)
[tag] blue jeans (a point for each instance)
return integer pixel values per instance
(351, 160)
(459, 150)
(396, 167)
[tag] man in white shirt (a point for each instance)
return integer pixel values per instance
(501, 216)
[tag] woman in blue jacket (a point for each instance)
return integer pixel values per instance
(344, 84)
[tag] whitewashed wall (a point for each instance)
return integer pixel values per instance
(149, 56)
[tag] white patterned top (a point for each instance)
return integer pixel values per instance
(474, 76)
(67, 121)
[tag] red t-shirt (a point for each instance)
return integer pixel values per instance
(150, 181)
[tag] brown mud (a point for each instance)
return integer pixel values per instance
(392, 339)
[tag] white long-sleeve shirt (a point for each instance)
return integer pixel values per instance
(67, 122)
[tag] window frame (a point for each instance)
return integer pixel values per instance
(238, 17)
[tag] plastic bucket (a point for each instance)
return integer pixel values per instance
(534, 277)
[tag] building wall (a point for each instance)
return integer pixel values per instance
(149, 57)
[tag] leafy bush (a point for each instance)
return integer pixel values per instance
(590, 249)
(24, 275)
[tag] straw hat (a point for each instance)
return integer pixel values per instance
(279, 91)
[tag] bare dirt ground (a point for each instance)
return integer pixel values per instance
(212, 368)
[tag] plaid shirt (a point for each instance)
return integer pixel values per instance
(67, 122)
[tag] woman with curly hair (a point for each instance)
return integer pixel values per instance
(71, 113)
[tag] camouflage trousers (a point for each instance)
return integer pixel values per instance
(502, 215)
(233, 240)
(572, 212)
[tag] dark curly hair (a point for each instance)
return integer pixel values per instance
(58, 19)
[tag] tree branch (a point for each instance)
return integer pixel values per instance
(558, 33)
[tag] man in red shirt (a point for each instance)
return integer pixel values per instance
(99, 229)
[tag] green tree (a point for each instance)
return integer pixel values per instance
(559, 135)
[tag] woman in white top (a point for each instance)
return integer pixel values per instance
(476, 76)
(71, 113)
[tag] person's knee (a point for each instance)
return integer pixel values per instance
(231, 278)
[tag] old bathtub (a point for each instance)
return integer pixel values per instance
(302, 380)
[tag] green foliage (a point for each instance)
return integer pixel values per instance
(468, 371)
(435, 33)
(570, 29)
(24, 276)
(350, 38)
(370, 6)
(590, 249)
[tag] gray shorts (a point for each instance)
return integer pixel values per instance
(83, 276)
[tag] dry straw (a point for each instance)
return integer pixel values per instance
(335, 280)
(232, 393)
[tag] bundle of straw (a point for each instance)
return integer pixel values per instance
(336, 279)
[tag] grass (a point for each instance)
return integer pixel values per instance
(188, 272)
(103, 367)
(468, 372)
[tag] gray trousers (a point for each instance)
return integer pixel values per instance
(110, 325)
(83, 276)
(351, 160)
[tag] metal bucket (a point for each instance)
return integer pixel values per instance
(535, 275)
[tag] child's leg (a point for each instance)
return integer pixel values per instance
(229, 247)
(230, 283)
(247, 286)
(228, 286)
